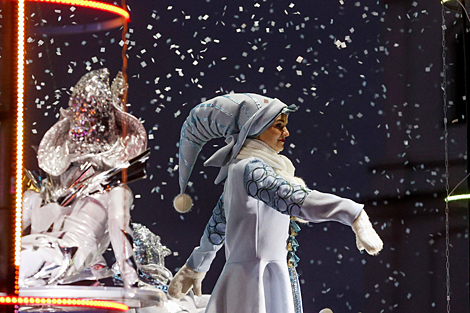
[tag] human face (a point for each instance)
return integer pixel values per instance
(276, 134)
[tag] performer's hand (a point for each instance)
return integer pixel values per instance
(366, 237)
(184, 280)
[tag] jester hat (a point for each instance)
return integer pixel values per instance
(234, 117)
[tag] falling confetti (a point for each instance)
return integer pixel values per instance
(366, 75)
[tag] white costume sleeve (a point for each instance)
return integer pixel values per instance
(211, 242)
(264, 184)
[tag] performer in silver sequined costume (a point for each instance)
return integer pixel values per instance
(82, 206)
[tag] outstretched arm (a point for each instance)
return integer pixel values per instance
(193, 272)
(264, 184)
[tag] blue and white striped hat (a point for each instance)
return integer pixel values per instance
(234, 117)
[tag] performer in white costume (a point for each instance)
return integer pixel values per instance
(257, 212)
(82, 206)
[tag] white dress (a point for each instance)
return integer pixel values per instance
(252, 218)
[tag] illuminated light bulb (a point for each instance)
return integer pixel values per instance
(19, 132)
(64, 302)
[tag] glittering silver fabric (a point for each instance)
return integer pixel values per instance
(150, 255)
(92, 128)
(294, 282)
(118, 91)
(65, 241)
(76, 217)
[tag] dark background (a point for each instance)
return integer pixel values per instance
(370, 126)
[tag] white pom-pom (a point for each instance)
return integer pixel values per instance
(182, 203)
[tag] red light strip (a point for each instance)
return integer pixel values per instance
(92, 5)
(99, 304)
(19, 136)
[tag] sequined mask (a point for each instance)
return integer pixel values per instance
(92, 125)
(91, 128)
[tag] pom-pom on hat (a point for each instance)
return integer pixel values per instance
(234, 117)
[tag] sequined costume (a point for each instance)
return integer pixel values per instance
(80, 210)
(253, 217)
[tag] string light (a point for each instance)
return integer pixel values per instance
(99, 304)
(457, 197)
(92, 5)
(19, 136)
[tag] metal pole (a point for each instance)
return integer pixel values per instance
(466, 82)
(466, 88)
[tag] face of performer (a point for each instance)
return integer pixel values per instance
(276, 134)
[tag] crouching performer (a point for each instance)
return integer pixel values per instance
(83, 205)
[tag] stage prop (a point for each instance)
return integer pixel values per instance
(59, 196)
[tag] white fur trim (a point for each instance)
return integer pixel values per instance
(366, 236)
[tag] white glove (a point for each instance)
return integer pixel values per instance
(366, 237)
(184, 280)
